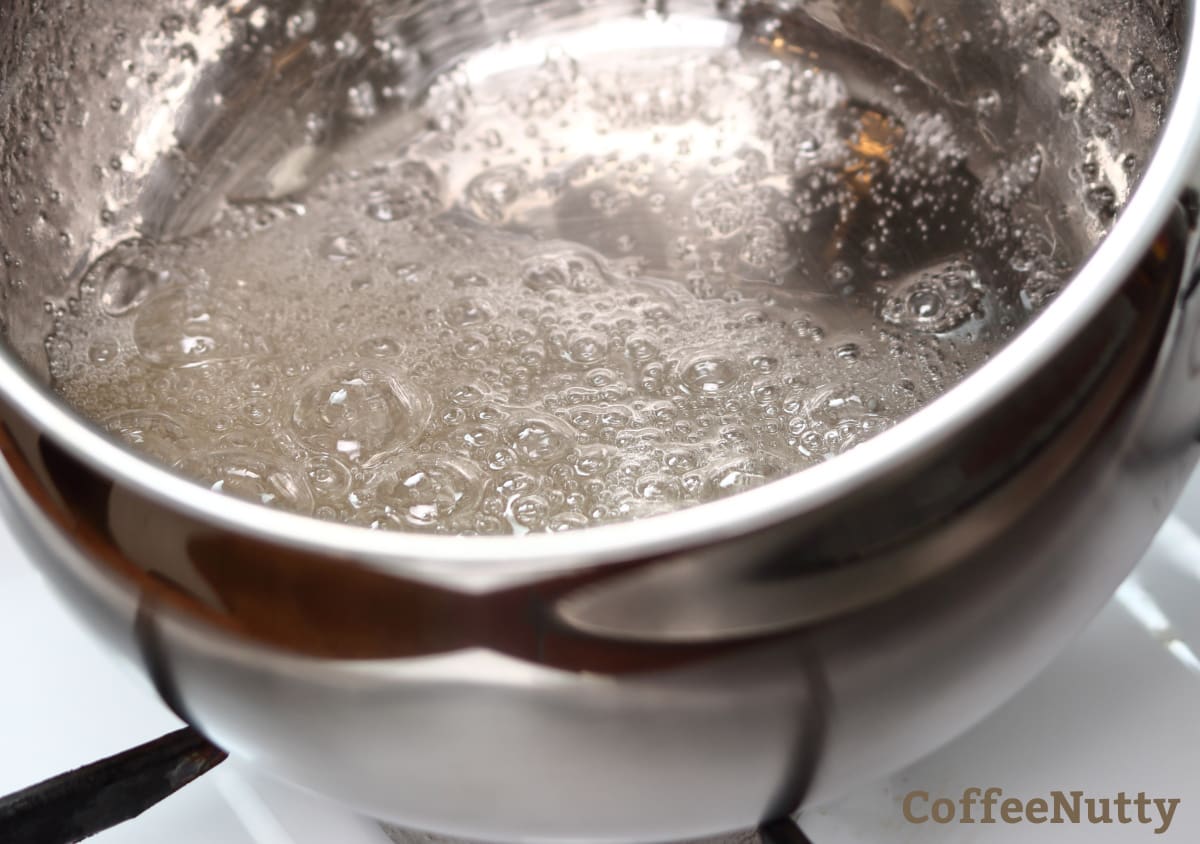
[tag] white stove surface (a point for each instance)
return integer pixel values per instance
(1118, 711)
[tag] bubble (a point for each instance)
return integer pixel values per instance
(808, 144)
(1045, 28)
(342, 248)
(257, 413)
(151, 431)
(261, 382)
(925, 304)
(471, 345)
(102, 352)
(658, 488)
(470, 279)
(466, 395)
(587, 348)
(935, 300)
(566, 521)
(178, 328)
(765, 246)
(358, 411)
(251, 476)
(766, 392)
(567, 270)
(427, 491)
(530, 511)
(409, 272)
(412, 191)
(466, 310)
(490, 194)
(518, 482)
(346, 45)
(301, 23)
(640, 348)
(379, 347)
(764, 363)
(125, 287)
(327, 476)
(593, 461)
(539, 440)
(500, 459)
(172, 24)
(706, 374)
(601, 377)
(681, 460)
(847, 352)
(719, 210)
(492, 139)
(1040, 287)
(807, 329)
(747, 472)
(362, 103)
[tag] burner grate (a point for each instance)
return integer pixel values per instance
(782, 831)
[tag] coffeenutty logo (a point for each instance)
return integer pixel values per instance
(977, 805)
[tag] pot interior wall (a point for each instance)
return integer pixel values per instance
(121, 118)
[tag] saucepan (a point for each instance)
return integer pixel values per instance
(686, 674)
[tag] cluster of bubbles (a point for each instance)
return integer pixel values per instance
(591, 289)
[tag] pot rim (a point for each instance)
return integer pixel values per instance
(479, 563)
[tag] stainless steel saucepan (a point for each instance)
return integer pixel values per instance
(686, 674)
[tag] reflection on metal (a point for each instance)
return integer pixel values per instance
(878, 136)
(1146, 610)
(904, 7)
(1177, 535)
(873, 144)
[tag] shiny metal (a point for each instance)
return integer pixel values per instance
(692, 673)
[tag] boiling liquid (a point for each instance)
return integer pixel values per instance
(587, 286)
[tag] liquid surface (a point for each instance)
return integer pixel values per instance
(576, 286)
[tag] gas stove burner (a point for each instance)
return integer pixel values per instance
(81, 803)
(783, 831)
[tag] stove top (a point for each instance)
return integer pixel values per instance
(1118, 711)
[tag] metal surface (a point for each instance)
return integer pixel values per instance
(529, 688)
